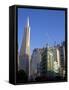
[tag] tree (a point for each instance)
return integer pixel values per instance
(44, 62)
(22, 76)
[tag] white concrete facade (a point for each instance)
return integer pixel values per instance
(24, 56)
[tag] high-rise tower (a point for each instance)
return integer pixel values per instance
(24, 57)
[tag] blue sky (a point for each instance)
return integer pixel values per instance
(47, 26)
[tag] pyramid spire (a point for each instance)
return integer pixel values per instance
(24, 57)
(28, 21)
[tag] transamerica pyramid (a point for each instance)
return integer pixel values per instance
(24, 56)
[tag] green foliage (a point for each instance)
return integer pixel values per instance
(22, 76)
(44, 61)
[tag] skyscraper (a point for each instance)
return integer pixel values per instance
(24, 56)
(35, 63)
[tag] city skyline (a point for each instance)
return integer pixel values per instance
(45, 26)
